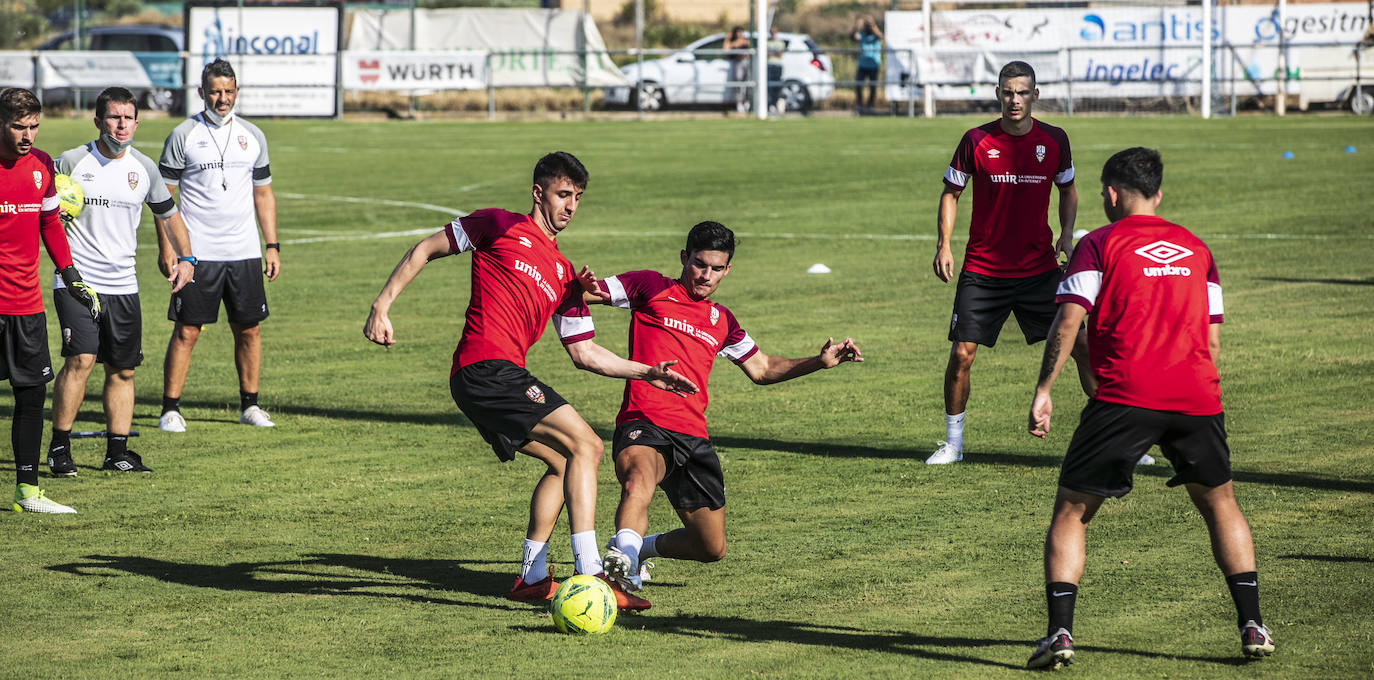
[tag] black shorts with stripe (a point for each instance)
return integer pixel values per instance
(24, 349)
(693, 478)
(116, 339)
(1111, 438)
(237, 283)
(982, 303)
(504, 402)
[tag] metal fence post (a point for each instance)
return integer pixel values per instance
(491, 88)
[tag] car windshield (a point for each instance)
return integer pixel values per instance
(711, 50)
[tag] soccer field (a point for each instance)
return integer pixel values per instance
(373, 533)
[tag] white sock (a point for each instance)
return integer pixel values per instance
(629, 542)
(585, 553)
(533, 565)
(954, 431)
(650, 547)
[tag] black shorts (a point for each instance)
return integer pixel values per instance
(693, 478)
(24, 344)
(504, 402)
(237, 283)
(1111, 438)
(116, 339)
(982, 302)
(866, 73)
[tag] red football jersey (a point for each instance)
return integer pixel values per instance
(1151, 289)
(1009, 235)
(667, 324)
(519, 281)
(28, 209)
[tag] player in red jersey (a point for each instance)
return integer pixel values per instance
(519, 281)
(1010, 264)
(28, 211)
(1150, 292)
(660, 439)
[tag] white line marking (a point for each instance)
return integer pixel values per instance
(378, 201)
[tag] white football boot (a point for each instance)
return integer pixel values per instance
(945, 453)
(256, 417)
(171, 421)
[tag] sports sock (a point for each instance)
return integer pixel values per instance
(26, 431)
(116, 444)
(585, 554)
(1060, 598)
(171, 404)
(533, 565)
(954, 431)
(247, 399)
(629, 541)
(1244, 589)
(61, 441)
(650, 547)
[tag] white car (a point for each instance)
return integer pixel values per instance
(697, 76)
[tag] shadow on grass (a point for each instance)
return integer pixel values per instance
(320, 574)
(1329, 558)
(1339, 282)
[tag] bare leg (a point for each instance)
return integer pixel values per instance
(119, 400)
(640, 469)
(1066, 541)
(957, 380)
(178, 360)
(69, 390)
(247, 356)
(547, 500)
(1232, 546)
(568, 434)
(701, 538)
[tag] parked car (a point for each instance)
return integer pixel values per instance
(157, 47)
(697, 76)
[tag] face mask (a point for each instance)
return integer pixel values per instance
(115, 145)
(215, 118)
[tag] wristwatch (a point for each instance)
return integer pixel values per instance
(189, 258)
(273, 245)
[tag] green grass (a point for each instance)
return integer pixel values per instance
(373, 533)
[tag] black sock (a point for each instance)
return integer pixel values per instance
(26, 431)
(116, 444)
(171, 404)
(1060, 598)
(1244, 589)
(247, 399)
(61, 441)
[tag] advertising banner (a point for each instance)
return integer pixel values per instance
(284, 55)
(414, 71)
(92, 70)
(16, 69)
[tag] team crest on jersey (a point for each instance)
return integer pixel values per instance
(634, 434)
(37, 179)
(66, 336)
(715, 315)
(559, 267)
(994, 153)
(1039, 153)
(243, 142)
(133, 180)
(535, 394)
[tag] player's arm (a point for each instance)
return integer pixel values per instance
(592, 291)
(1068, 214)
(265, 203)
(378, 326)
(1057, 348)
(173, 230)
(766, 370)
(944, 219)
(589, 356)
(1214, 342)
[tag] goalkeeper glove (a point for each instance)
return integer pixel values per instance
(81, 291)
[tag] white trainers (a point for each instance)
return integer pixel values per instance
(255, 416)
(617, 565)
(171, 421)
(945, 453)
(29, 498)
(1146, 459)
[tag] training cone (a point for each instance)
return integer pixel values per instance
(818, 268)
(1287, 154)
(1350, 149)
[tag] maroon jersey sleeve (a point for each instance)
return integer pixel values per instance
(632, 289)
(738, 346)
(571, 318)
(1214, 306)
(477, 230)
(963, 164)
(1063, 173)
(1083, 279)
(49, 223)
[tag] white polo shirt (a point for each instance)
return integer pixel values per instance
(216, 168)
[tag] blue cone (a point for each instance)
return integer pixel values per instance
(1350, 149)
(1287, 154)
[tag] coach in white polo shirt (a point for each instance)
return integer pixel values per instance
(117, 180)
(219, 161)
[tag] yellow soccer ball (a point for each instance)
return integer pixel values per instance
(583, 604)
(71, 198)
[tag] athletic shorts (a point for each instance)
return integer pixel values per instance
(504, 402)
(237, 283)
(693, 478)
(24, 345)
(981, 305)
(1111, 438)
(116, 339)
(866, 73)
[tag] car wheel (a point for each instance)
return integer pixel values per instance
(648, 97)
(159, 99)
(795, 96)
(1362, 104)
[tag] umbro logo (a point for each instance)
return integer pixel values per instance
(1163, 252)
(994, 153)
(124, 465)
(526, 242)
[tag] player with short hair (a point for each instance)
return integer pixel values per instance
(28, 212)
(219, 162)
(661, 439)
(117, 180)
(1152, 298)
(519, 281)
(1010, 264)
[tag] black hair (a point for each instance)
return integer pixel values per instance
(710, 235)
(560, 165)
(218, 68)
(1016, 69)
(114, 95)
(1136, 169)
(16, 103)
